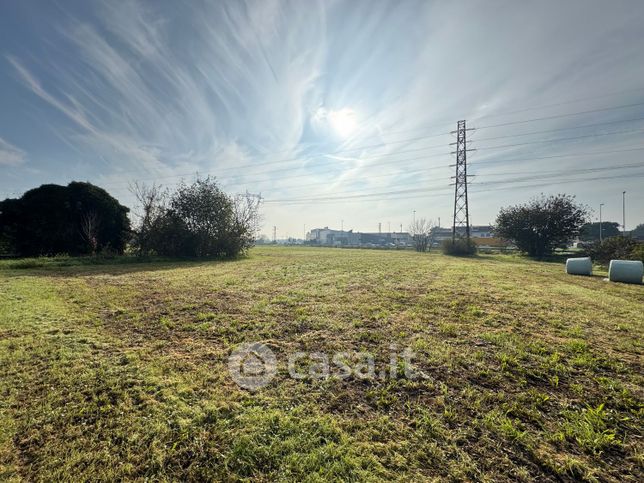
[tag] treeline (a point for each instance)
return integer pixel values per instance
(196, 220)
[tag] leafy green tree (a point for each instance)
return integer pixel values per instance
(638, 232)
(76, 219)
(615, 248)
(542, 224)
(590, 231)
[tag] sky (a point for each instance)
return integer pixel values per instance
(338, 113)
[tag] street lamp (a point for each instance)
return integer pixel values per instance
(624, 213)
(601, 239)
(414, 217)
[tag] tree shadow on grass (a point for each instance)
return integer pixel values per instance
(87, 266)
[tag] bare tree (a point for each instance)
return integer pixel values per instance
(421, 231)
(89, 229)
(247, 218)
(151, 201)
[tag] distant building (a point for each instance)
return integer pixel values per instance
(329, 237)
(476, 231)
(400, 239)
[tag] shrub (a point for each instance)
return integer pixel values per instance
(197, 220)
(616, 248)
(461, 247)
(638, 252)
(542, 224)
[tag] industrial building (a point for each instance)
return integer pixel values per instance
(476, 231)
(329, 237)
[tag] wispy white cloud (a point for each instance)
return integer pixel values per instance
(11, 155)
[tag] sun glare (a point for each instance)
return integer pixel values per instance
(344, 121)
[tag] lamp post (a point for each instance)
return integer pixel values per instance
(624, 213)
(601, 238)
(414, 212)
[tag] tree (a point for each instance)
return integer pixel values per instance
(152, 203)
(638, 232)
(197, 220)
(590, 231)
(421, 231)
(89, 229)
(542, 224)
(53, 219)
(246, 221)
(615, 248)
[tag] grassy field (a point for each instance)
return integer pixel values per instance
(120, 371)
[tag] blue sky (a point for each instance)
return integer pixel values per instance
(331, 110)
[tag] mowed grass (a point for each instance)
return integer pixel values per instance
(120, 371)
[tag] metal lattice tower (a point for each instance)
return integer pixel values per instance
(461, 209)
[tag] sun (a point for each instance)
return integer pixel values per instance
(344, 121)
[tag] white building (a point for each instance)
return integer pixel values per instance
(327, 236)
(476, 231)
(330, 237)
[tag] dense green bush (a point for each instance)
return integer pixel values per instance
(460, 247)
(542, 225)
(638, 252)
(78, 219)
(616, 248)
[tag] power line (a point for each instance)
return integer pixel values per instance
(408, 160)
(568, 155)
(426, 148)
(423, 148)
(557, 104)
(566, 171)
(541, 141)
(422, 193)
(353, 195)
(583, 126)
(632, 131)
(420, 138)
(448, 121)
(417, 138)
(558, 116)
